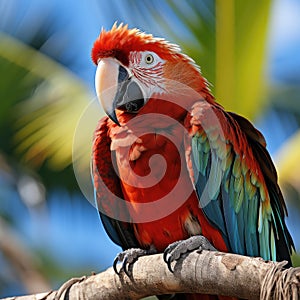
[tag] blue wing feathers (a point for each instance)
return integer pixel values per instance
(110, 229)
(231, 195)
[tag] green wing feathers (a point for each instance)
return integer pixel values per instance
(236, 184)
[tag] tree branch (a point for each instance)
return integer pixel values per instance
(208, 272)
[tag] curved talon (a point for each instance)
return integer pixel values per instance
(177, 249)
(125, 266)
(169, 264)
(169, 250)
(128, 257)
(165, 255)
(116, 260)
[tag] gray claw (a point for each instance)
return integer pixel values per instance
(165, 255)
(175, 250)
(118, 258)
(127, 265)
(169, 261)
(128, 257)
(169, 250)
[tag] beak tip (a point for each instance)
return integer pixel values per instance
(112, 115)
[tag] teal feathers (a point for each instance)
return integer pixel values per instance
(235, 192)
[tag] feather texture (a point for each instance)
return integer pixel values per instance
(108, 189)
(236, 191)
(233, 196)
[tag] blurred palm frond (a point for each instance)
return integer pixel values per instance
(287, 159)
(228, 39)
(45, 117)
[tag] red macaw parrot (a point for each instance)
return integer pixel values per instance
(172, 169)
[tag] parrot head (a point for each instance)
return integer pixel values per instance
(134, 67)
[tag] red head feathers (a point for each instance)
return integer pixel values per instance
(132, 63)
(120, 41)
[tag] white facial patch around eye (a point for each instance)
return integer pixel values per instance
(149, 59)
(147, 70)
(144, 60)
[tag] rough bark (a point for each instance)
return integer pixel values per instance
(208, 272)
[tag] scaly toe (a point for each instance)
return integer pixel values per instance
(128, 257)
(175, 250)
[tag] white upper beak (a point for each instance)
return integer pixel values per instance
(106, 82)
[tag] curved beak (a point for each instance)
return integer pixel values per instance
(106, 83)
(116, 89)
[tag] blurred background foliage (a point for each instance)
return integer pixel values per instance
(248, 50)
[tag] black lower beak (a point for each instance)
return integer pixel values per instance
(132, 100)
(129, 97)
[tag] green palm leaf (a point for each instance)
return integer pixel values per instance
(228, 40)
(241, 35)
(45, 121)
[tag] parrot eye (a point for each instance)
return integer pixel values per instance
(149, 59)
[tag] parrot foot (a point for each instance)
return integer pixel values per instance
(175, 250)
(128, 257)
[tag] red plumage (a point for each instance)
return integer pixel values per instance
(174, 141)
